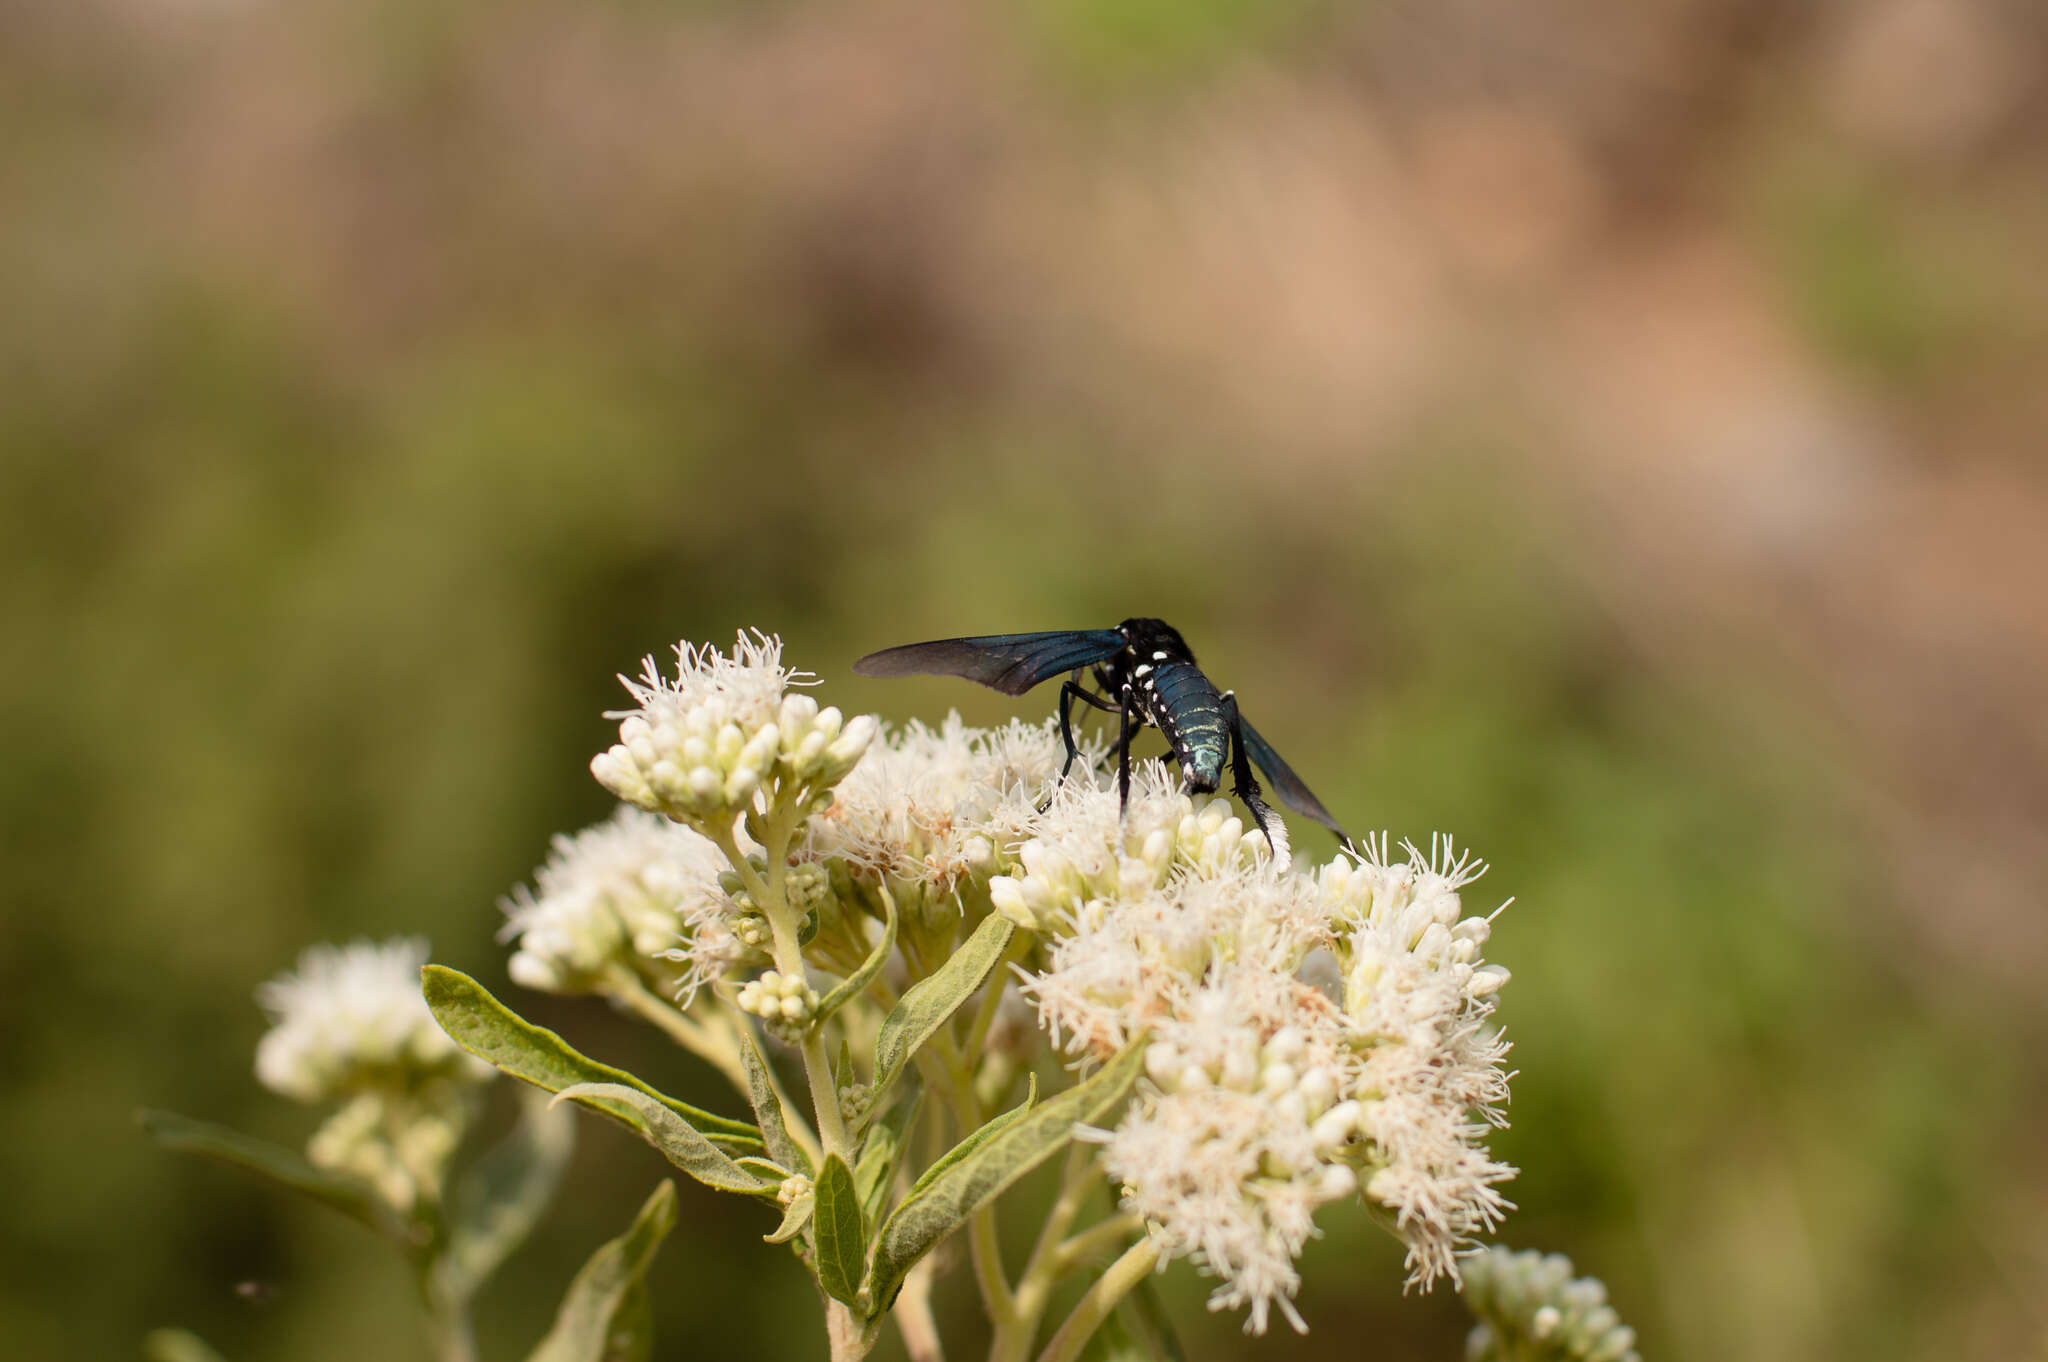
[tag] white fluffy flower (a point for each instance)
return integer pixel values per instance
(1275, 1083)
(934, 807)
(725, 737)
(1433, 1081)
(619, 892)
(351, 1020)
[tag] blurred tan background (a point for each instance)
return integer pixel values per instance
(1612, 433)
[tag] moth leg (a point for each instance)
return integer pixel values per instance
(1242, 783)
(1133, 720)
(1070, 692)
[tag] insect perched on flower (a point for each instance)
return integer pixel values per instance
(1147, 675)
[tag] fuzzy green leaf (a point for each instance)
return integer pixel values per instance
(604, 1316)
(351, 1196)
(492, 1031)
(944, 1199)
(937, 996)
(839, 1232)
(884, 1146)
(503, 1195)
(991, 1128)
(631, 1335)
(795, 1216)
(679, 1141)
(768, 1110)
(856, 983)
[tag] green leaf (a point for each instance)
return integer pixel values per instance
(679, 1141)
(768, 1110)
(631, 1335)
(496, 1204)
(795, 1216)
(856, 983)
(884, 1146)
(990, 1129)
(492, 1031)
(603, 1316)
(937, 996)
(351, 1196)
(177, 1345)
(768, 1170)
(946, 1196)
(840, 1234)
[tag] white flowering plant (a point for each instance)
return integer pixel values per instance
(927, 965)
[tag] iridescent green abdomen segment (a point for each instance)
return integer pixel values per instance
(1187, 709)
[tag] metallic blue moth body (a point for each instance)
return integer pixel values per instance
(1146, 675)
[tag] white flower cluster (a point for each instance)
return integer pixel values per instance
(1269, 1091)
(1415, 987)
(351, 1020)
(617, 893)
(725, 738)
(932, 808)
(1530, 1307)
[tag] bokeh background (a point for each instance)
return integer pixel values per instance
(1609, 432)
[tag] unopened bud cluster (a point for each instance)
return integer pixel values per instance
(724, 739)
(784, 999)
(855, 1101)
(1531, 1309)
(1078, 859)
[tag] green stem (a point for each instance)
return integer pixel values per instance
(625, 987)
(1111, 1233)
(454, 1339)
(789, 959)
(1041, 1270)
(913, 1314)
(984, 1246)
(1112, 1286)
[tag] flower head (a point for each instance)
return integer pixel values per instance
(725, 737)
(929, 809)
(620, 892)
(1309, 1035)
(351, 1020)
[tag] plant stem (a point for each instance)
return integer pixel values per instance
(1111, 1287)
(626, 988)
(913, 1314)
(941, 1071)
(1110, 1233)
(1041, 1270)
(850, 1339)
(789, 959)
(448, 1324)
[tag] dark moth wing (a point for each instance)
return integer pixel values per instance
(1011, 663)
(1287, 786)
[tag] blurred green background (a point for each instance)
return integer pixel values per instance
(1609, 433)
